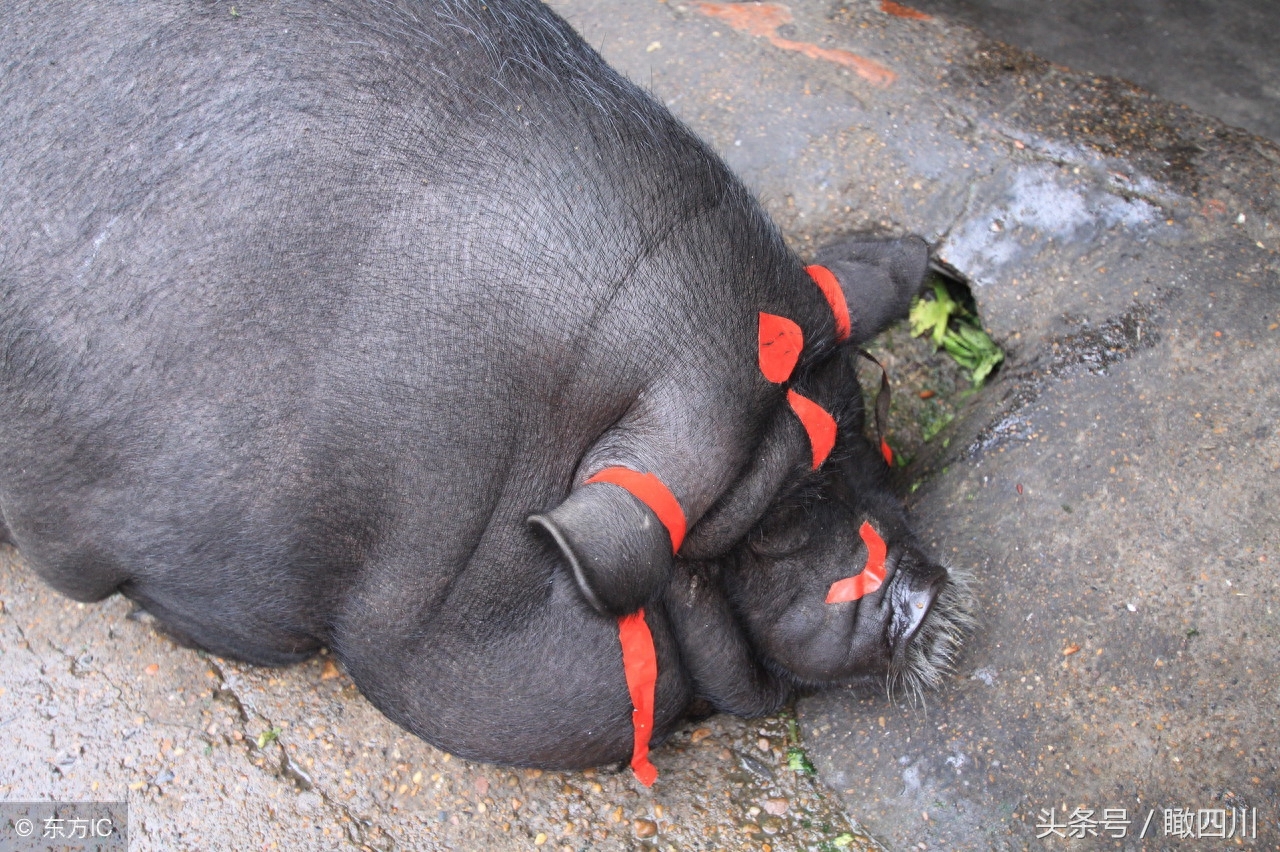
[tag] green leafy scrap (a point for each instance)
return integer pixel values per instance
(953, 328)
(798, 761)
(933, 316)
(268, 736)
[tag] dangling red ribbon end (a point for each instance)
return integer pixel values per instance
(640, 665)
(646, 773)
(872, 576)
(887, 452)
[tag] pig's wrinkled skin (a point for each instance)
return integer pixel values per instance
(306, 310)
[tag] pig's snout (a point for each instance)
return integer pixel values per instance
(913, 591)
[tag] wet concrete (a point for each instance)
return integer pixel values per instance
(213, 754)
(1216, 56)
(1114, 490)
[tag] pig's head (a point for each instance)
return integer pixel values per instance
(809, 514)
(832, 587)
(830, 584)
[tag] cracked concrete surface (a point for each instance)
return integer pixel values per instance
(214, 754)
(1114, 488)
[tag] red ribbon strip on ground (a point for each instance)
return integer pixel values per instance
(649, 490)
(820, 425)
(852, 588)
(780, 341)
(830, 287)
(640, 663)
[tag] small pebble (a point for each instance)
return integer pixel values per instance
(755, 767)
(699, 735)
(644, 827)
(776, 807)
(763, 744)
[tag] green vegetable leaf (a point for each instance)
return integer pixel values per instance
(798, 761)
(955, 329)
(268, 736)
(931, 316)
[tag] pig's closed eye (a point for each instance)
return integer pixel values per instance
(781, 536)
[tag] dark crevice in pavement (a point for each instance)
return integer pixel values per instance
(1091, 349)
(360, 831)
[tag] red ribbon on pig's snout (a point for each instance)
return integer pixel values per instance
(651, 491)
(830, 287)
(820, 425)
(852, 588)
(640, 664)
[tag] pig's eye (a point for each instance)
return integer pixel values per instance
(780, 535)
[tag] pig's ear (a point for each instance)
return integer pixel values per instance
(879, 277)
(618, 538)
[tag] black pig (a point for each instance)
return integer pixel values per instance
(316, 318)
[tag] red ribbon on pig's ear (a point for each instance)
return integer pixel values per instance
(830, 287)
(619, 555)
(651, 491)
(872, 575)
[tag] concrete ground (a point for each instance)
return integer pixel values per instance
(1216, 56)
(1114, 490)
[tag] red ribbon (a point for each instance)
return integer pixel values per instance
(640, 663)
(780, 342)
(649, 490)
(820, 425)
(852, 588)
(830, 288)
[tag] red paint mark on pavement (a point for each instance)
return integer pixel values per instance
(1213, 207)
(899, 11)
(758, 19)
(762, 21)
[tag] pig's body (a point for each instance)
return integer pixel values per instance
(304, 311)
